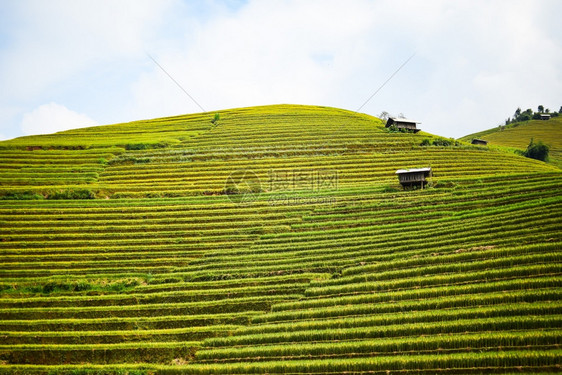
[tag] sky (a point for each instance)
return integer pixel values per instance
(73, 63)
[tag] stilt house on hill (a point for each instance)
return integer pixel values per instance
(402, 123)
(411, 178)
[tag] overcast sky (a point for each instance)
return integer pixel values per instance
(67, 64)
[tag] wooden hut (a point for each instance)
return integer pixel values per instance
(545, 116)
(402, 123)
(480, 142)
(410, 178)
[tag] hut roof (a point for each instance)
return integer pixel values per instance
(413, 170)
(397, 119)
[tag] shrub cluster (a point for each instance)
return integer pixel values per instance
(439, 142)
(538, 151)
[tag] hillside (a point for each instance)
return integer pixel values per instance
(122, 252)
(518, 135)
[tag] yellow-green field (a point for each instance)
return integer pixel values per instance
(519, 135)
(121, 252)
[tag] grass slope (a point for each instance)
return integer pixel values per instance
(332, 268)
(518, 136)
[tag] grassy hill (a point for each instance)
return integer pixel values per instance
(519, 134)
(122, 253)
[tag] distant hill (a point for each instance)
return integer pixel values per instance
(519, 134)
(275, 240)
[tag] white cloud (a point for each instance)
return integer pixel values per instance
(53, 117)
(265, 53)
(475, 60)
(56, 40)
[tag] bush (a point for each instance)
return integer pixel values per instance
(20, 195)
(445, 142)
(538, 151)
(72, 194)
(144, 146)
(137, 146)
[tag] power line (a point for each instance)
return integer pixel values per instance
(385, 82)
(176, 82)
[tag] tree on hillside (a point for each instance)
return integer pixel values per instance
(525, 116)
(528, 114)
(538, 151)
(384, 115)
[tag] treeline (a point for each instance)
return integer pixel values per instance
(528, 114)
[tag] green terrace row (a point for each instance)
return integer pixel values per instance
(235, 305)
(334, 310)
(108, 353)
(190, 295)
(505, 184)
(311, 262)
(147, 160)
(392, 221)
(319, 265)
(178, 187)
(379, 250)
(155, 228)
(180, 177)
(128, 323)
(346, 196)
(461, 262)
(113, 337)
(289, 169)
(448, 214)
(142, 284)
(74, 223)
(548, 224)
(488, 275)
(507, 363)
(367, 160)
(430, 292)
(170, 230)
(485, 362)
(439, 344)
(289, 175)
(406, 317)
(412, 312)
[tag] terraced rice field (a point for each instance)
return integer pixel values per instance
(519, 135)
(332, 269)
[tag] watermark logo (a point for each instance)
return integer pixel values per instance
(315, 180)
(242, 187)
(285, 187)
